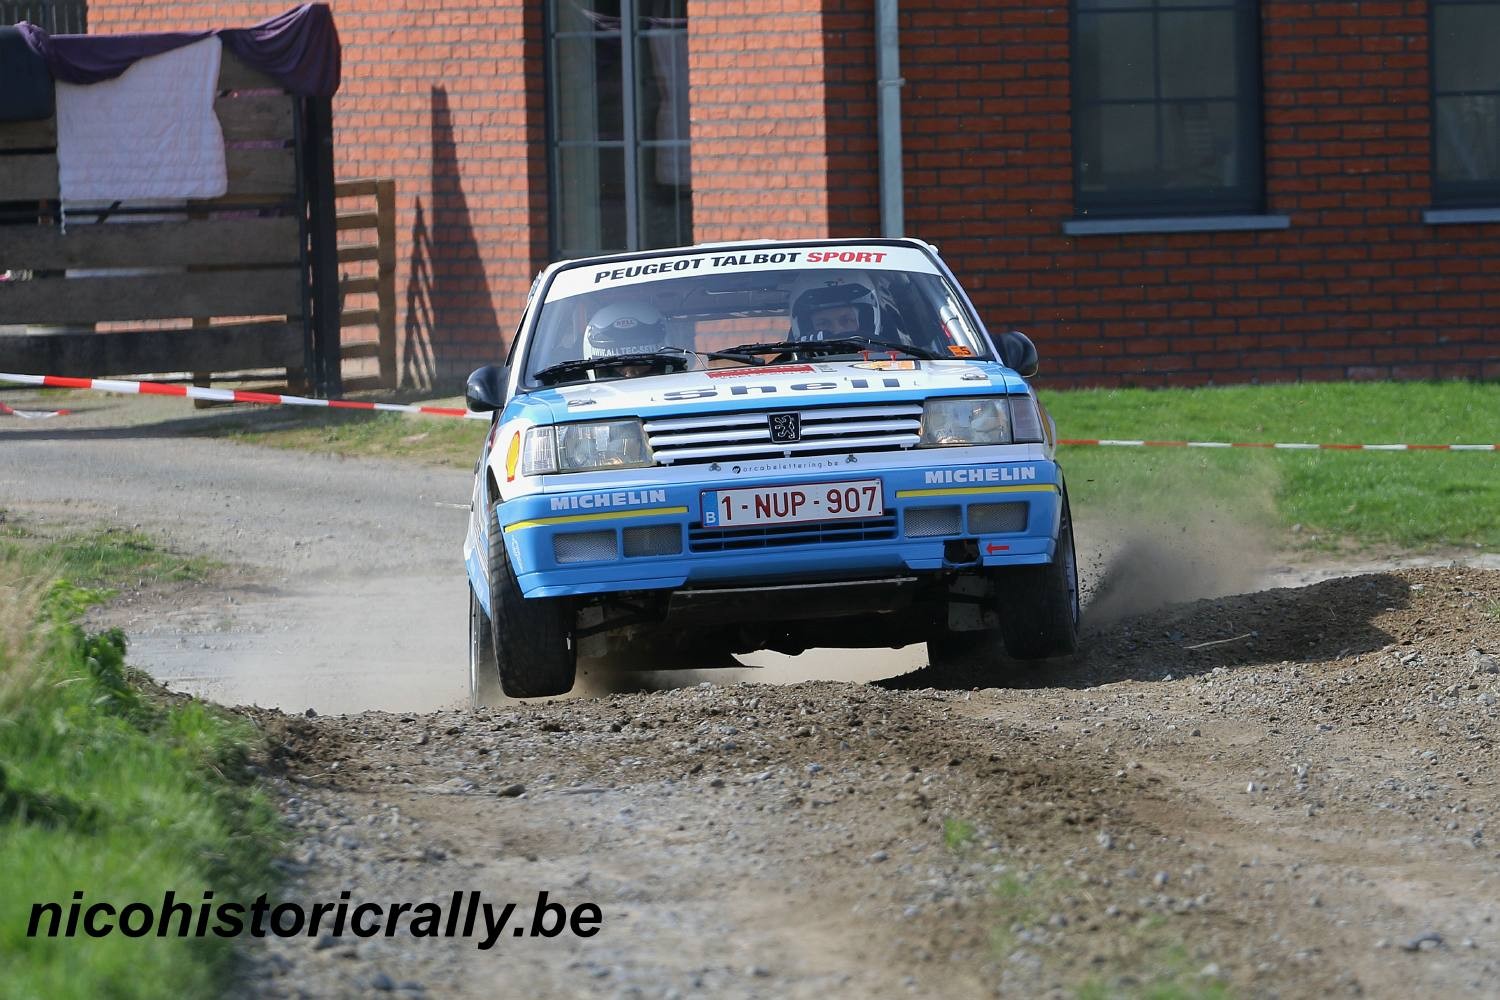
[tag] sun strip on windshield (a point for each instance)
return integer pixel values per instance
(615, 274)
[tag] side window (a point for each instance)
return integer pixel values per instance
(1465, 104)
(618, 150)
(1166, 107)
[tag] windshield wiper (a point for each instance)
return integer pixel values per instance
(838, 345)
(555, 374)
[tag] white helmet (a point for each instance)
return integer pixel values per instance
(624, 328)
(816, 294)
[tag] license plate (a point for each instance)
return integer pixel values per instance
(793, 504)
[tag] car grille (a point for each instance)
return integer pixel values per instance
(997, 518)
(701, 539)
(584, 546)
(719, 436)
(928, 522)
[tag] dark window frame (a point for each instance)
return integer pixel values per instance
(630, 142)
(1245, 198)
(56, 17)
(1453, 194)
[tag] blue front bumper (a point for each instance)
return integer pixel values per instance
(559, 547)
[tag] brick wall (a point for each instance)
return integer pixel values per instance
(447, 98)
(1358, 287)
(759, 123)
(850, 109)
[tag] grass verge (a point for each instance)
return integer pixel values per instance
(444, 441)
(108, 789)
(102, 558)
(1413, 500)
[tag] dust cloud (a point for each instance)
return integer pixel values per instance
(1134, 563)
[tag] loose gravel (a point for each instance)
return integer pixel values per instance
(1288, 792)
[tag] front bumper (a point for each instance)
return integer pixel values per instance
(591, 542)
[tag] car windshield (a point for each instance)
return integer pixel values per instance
(735, 307)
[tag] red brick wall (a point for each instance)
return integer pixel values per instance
(447, 98)
(1358, 287)
(850, 108)
(758, 113)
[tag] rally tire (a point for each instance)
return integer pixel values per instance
(1038, 605)
(484, 678)
(534, 652)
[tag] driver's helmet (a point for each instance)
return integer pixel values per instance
(826, 306)
(624, 328)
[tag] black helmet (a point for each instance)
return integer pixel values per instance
(816, 292)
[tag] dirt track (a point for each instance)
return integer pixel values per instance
(1296, 807)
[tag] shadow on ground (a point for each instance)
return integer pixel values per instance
(1323, 621)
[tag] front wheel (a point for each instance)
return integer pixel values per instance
(534, 652)
(1038, 605)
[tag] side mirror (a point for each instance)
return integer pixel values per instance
(1018, 352)
(485, 390)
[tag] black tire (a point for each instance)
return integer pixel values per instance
(1038, 605)
(534, 652)
(484, 678)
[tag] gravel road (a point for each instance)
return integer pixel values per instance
(1287, 791)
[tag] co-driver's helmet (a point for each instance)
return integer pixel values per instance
(815, 292)
(624, 328)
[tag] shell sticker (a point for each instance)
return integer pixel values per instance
(888, 366)
(512, 457)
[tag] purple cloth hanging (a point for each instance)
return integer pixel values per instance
(298, 49)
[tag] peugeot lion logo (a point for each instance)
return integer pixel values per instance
(785, 427)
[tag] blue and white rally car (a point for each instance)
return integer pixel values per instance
(712, 450)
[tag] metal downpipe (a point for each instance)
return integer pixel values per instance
(888, 96)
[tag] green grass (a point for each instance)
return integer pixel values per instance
(1148, 959)
(102, 558)
(109, 789)
(1153, 963)
(958, 834)
(434, 440)
(1412, 500)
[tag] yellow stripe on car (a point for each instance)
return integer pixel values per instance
(968, 491)
(607, 516)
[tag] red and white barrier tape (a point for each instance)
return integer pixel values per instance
(227, 395)
(1103, 442)
(6, 411)
(278, 399)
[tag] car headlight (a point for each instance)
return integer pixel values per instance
(585, 447)
(965, 420)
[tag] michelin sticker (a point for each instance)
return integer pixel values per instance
(1024, 473)
(602, 501)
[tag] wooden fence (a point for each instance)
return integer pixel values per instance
(366, 225)
(222, 285)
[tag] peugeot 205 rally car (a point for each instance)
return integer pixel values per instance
(712, 450)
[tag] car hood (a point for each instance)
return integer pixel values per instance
(772, 387)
